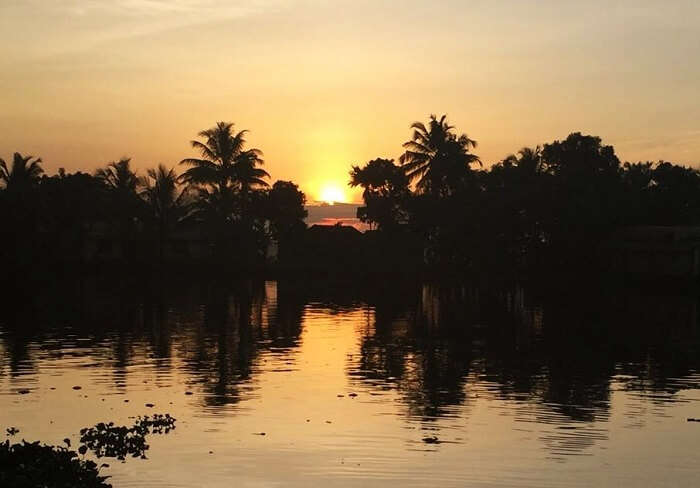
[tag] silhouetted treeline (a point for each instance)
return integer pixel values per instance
(220, 208)
(550, 205)
(437, 207)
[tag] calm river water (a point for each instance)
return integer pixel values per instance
(393, 384)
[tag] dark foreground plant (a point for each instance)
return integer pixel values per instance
(29, 465)
(34, 465)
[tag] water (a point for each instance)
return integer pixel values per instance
(387, 384)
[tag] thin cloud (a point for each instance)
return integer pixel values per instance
(148, 8)
(86, 23)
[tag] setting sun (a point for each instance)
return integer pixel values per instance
(332, 193)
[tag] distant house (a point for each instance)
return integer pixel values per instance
(656, 251)
(327, 215)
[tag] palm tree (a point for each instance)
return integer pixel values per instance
(529, 160)
(227, 179)
(224, 164)
(122, 185)
(437, 157)
(20, 209)
(167, 204)
(119, 177)
(23, 174)
(247, 175)
(522, 184)
(123, 204)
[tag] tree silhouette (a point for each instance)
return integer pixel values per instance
(168, 206)
(123, 205)
(22, 174)
(286, 213)
(286, 208)
(20, 210)
(226, 178)
(438, 158)
(585, 193)
(224, 164)
(385, 190)
(71, 205)
(119, 177)
(122, 185)
(516, 206)
(528, 161)
(675, 194)
(580, 157)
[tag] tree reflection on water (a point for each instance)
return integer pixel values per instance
(549, 357)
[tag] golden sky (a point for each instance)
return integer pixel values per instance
(325, 84)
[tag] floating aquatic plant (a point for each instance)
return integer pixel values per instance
(109, 440)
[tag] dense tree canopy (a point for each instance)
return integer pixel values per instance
(385, 189)
(221, 202)
(546, 205)
(551, 204)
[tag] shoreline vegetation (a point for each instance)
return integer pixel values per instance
(566, 207)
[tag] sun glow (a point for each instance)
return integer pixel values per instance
(332, 193)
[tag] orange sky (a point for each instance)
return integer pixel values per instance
(326, 84)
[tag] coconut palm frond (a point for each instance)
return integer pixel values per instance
(417, 147)
(198, 163)
(200, 175)
(436, 157)
(205, 150)
(4, 174)
(466, 142)
(23, 174)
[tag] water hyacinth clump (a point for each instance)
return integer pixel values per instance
(109, 440)
(29, 465)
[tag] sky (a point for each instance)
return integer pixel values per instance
(323, 85)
